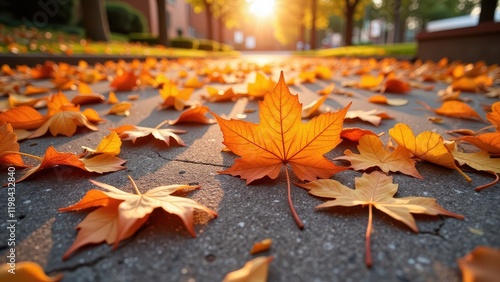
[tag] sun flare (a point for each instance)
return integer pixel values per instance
(261, 8)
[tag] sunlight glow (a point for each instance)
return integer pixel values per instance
(261, 8)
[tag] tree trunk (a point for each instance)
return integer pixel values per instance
(487, 11)
(221, 29)
(162, 22)
(95, 20)
(312, 42)
(208, 12)
(349, 23)
(397, 21)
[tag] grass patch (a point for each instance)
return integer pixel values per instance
(400, 49)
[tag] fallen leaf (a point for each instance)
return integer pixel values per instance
(174, 97)
(120, 109)
(92, 115)
(489, 142)
(102, 163)
(26, 271)
(9, 147)
(64, 123)
(428, 146)
(368, 81)
(112, 99)
(327, 90)
(54, 158)
(372, 154)
(193, 82)
(109, 144)
(480, 161)
(132, 132)
(23, 117)
(255, 270)
(480, 265)
(375, 190)
(395, 85)
(125, 81)
(124, 213)
(261, 246)
(355, 133)
(381, 99)
(215, 95)
(494, 116)
(260, 86)
(313, 109)
(455, 109)
(281, 139)
(307, 77)
(323, 72)
(34, 90)
(373, 116)
(194, 114)
(16, 100)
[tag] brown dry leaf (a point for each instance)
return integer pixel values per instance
(9, 147)
(372, 154)
(373, 116)
(255, 270)
(261, 246)
(396, 85)
(86, 95)
(125, 81)
(428, 146)
(260, 86)
(455, 109)
(375, 190)
(120, 109)
(194, 114)
(124, 213)
(132, 132)
(480, 265)
(23, 117)
(25, 271)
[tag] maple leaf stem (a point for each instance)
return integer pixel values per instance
(162, 124)
(463, 174)
(368, 253)
(482, 187)
(22, 154)
(135, 186)
(296, 217)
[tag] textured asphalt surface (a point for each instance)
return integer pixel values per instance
(330, 248)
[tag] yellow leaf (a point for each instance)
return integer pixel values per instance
(254, 271)
(26, 271)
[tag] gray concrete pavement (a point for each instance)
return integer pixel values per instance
(330, 248)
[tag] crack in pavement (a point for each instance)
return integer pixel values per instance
(437, 230)
(72, 268)
(190, 162)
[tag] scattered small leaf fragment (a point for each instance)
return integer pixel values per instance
(26, 271)
(120, 109)
(261, 246)
(255, 270)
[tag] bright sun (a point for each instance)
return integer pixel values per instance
(261, 8)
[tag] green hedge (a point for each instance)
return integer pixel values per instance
(144, 38)
(184, 43)
(125, 19)
(208, 45)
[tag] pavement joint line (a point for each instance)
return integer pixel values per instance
(78, 265)
(189, 162)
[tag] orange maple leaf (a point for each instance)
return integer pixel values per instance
(375, 190)
(125, 81)
(23, 117)
(260, 86)
(121, 214)
(195, 114)
(428, 146)
(494, 116)
(26, 271)
(454, 108)
(9, 147)
(489, 142)
(281, 139)
(372, 153)
(174, 97)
